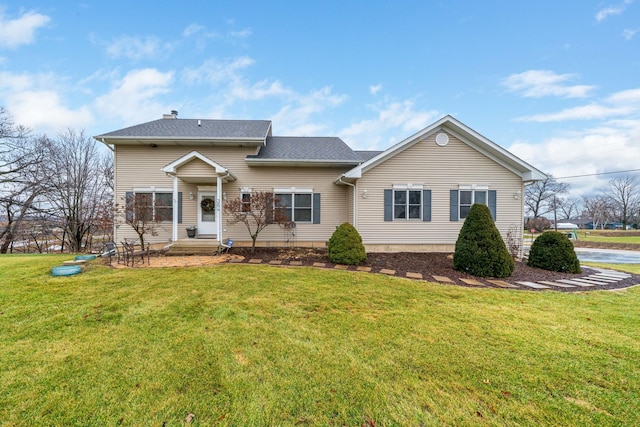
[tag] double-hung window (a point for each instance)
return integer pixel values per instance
(468, 198)
(150, 204)
(407, 204)
(298, 204)
(245, 200)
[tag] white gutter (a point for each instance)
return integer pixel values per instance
(108, 146)
(355, 198)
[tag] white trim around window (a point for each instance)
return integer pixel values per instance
(245, 199)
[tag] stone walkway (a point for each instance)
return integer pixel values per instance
(603, 277)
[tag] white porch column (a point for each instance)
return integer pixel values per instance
(175, 208)
(219, 207)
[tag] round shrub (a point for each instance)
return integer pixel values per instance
(480, 250)
(553, 251)
(345, 246)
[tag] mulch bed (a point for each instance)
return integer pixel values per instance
(427, 264)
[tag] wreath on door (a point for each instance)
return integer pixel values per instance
(207, 205)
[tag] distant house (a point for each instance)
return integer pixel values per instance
(604, 226)
(413, 196)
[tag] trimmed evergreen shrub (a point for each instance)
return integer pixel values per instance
(553, 251)
(345, 246)
(480, 250)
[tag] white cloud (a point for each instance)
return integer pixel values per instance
(192, 29)
(240, 90)
(539, 83)
(392, 116)
(609, 11)
(201, 34)
(630, 96)
(137, 48)
(34, 101)
(21, 30)
(242, 34)
(584, 112)
(618, 104)
(374, 89)
(135, 96)
(214, 72)
(608, 147)
(296, 117)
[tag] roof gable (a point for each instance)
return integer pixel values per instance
(172, 168)
(465, 134)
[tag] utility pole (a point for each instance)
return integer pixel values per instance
(555, 216)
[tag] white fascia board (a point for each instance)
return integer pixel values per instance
(393, 150)
(492, 150)
(172, 167)
(173, 140)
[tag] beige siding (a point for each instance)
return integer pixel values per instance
(439, 169)
(195, 168)
(140, 166)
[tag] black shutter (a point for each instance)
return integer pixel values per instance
(180, 207)
(492, 203)
(426, 205)
(453, 205)
(316, 208)
(388, 205)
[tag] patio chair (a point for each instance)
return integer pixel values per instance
(110, 249)
(133, 249)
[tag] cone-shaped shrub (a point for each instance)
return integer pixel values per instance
(553, 251)
(345, 246)
(480, 250)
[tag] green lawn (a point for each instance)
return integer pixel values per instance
(635, 240)
(256, 345)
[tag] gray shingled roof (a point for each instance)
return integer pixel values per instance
(368, 154)
(189, 128)
(306, 149)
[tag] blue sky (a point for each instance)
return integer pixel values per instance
(557, 83)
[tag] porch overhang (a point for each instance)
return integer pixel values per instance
(221, 172)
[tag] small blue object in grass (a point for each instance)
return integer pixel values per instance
(85, 257)
(66, 270)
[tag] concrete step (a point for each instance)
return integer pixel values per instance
(193, 247)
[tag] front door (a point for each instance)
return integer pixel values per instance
(207, 212)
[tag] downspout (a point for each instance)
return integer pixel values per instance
(219, 196)
(355, 194)
(175, 208)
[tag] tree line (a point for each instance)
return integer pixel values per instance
(56, 193)
(619, 202)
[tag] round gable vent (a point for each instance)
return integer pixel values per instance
(442, 139)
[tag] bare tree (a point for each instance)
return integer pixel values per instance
(14, 154)
(597, 208)
(568, 207)
(140, 214)
(77, 185)
(22, 179)
(624, 198)
(539, 196)
(257, 213)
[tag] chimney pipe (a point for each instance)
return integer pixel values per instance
(173, 115)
